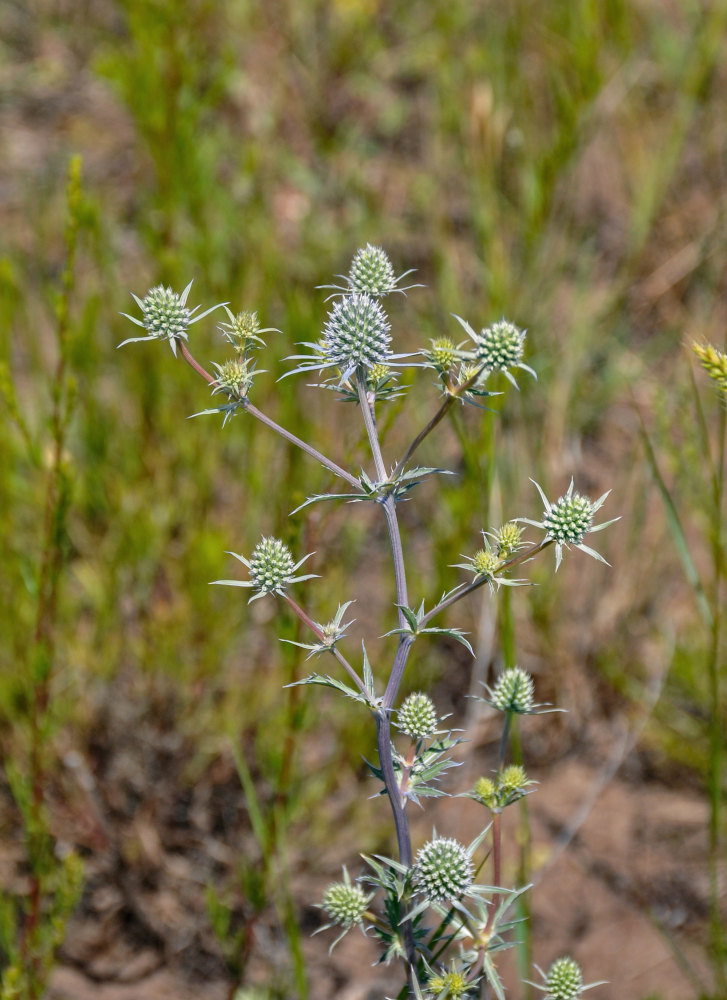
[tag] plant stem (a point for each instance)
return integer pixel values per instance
(269, 422)
(469, 588)
(319, 634)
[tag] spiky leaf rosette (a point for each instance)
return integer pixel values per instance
(443, 870)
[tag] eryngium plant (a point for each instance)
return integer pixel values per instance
(428, 911)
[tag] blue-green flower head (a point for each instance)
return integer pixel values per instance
(443, 870)
(345, 903)
(498, 348)
(514, 691)
(272, 568)
(165, 316)
(356, 335)
(417, 717)
(371, 272)
(564, 980)
(568, 520)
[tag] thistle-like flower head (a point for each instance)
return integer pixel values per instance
(356, 334)
(442, 355)
(272, 568)
(443, 870)
(244, 331)
(417, 716)
(498, 348)
(567, 521)
(563, 981)
(509, 785)
(485, 564)
(165, 316)
(508, 538)
(453, 984)
(234, 378)
(372, 273)
(514, 691)
(346, 905)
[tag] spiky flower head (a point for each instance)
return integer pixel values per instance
(514, 692)
(244, 331)
(442, 355)
(568, 520)
(499, 348)
(271, 564)
(165, 316)
(356, 334)
(234, 378)
(508, 538)
(452, 984)
(371, 272)
(417, 716)
(564, 980)
(485, 563)
(345, 903)
(272, 568)
(443, 869)
(485, 791)
(513, 780)
(714, 363)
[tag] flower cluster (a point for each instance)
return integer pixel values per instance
(508, 786)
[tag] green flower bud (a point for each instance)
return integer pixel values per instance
(417, 716)
(514, 692)
(485, 791)
(443, 354)
(377, 374)
(714, 363)
(443, 870)
(371, 272)
(508, 538)
(234, 378)
(564, 980)
(485, 563)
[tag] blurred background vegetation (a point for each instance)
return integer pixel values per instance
(560, 163)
